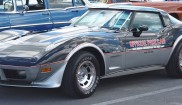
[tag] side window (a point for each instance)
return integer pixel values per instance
(35, 4)
(127, 22)
(32, 4)
(152, 20)
(19, 5)
(79, 3)
(166, 19)
(119, 20)
(60, 3)
(6, 5)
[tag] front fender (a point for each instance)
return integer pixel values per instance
(81, 46)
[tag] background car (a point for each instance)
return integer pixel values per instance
(174, 8)
(106, 41)
(39, 15)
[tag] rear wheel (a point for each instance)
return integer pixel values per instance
(81, 76)
(174, 67)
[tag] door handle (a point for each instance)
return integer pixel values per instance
(74, 11)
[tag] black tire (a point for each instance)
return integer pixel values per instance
(71, 85)
(174, 69)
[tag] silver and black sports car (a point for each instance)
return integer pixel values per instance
(104, 42)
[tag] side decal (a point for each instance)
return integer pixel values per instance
(147, 43)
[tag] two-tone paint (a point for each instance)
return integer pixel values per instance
(118, 51)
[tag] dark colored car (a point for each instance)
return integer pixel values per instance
(39, 15)
(106, 41)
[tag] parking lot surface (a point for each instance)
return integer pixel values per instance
(149, 88)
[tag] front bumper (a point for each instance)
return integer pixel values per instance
(34, 78)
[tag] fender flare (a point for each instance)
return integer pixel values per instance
(82, 46)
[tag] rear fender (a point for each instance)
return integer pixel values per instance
(178, 40)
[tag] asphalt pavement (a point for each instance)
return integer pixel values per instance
(149, 88)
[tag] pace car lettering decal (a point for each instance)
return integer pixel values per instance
(147, 43)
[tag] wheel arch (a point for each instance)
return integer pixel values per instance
(178, 40)
(92, 49)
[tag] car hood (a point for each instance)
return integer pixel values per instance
(8, 35)
(32, 47)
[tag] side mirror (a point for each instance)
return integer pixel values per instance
(138, 31)
(25, 8)
(143, 28)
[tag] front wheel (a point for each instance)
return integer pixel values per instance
(81, 76)
(174, 67)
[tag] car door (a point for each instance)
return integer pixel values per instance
(144, 50)
(6, 8)
(62, 11)
(4, 21)
(35, 18)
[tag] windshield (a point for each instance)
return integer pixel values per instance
(6, 5)
(111, 19)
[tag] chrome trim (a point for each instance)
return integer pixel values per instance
(114, 68)
(86, 75)
(173, 48)
(83, 6)
(30, 25)
(64, 9)
(15, 5)
(52, 9)
(42, 10)
(37, 24)
(5, 27)
(133, 71)
(61, 22)
(75, 7)
(69, 8)
(84, 45)
(9, 12)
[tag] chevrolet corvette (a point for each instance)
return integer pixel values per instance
(106, 41)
